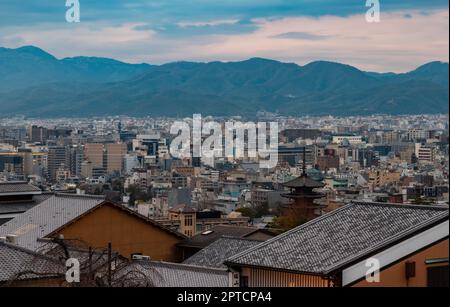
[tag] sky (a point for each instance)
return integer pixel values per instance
(410, 33)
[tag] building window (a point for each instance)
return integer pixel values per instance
(438, 276)
(188, 220)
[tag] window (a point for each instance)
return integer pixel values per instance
(188, 220)
(437, 276)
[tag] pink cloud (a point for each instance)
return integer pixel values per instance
(400, 42)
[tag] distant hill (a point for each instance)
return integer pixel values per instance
(34, 83)
(30, 66)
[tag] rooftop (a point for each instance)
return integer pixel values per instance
(216, 253)
(207, 237)
(57, 211)
(15, 260)
(182, 208)
(23, 205)
(303, 182)
(17, 187)
(341, 236)
(47, 217)
(164, 274)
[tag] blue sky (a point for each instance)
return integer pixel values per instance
(157, 31)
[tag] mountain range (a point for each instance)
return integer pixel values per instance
(37, 84)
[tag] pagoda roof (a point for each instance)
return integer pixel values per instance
(303, 182)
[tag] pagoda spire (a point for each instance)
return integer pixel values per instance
(304, 162)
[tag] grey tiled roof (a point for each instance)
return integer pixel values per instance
(182, 208)
(205, 238)
(22, 206)
(331, 241)
(47, 217)
(215, 254)
(164, 274)
(303, 181)
(15, 260)
(15, 207)
(17, 187)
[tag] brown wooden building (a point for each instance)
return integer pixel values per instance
(95, 222)
(402, 245)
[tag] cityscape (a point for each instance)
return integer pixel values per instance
(291, 175)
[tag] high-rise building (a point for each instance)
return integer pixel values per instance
(390, 137)
(424, 153)
(11, 163)
(76, 159)
(58, 159)
(37, 134)
(93, 153)
(27, 156)
(293, 154)
(417, 134)
(115, 154)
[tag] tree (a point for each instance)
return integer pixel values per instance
(97, 268)
(248, 212)
(135, 193)
(285, 223)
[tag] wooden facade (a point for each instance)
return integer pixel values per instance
(396, 274)
(128, 232)
(430, 268)
(269, 278)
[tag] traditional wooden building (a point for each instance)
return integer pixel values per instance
(304, 205)
(96, 222)
(18, 197)
(360, 244)
(20, 267)
(192, 245)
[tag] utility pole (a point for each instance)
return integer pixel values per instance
(90, 265)
(109, 264)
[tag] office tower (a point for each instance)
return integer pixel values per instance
(93, 153)
(27, 156)
(76, 159)
(417, 134)
(11, 163)
(115, 154)
(37, 134)
(151, 142)
(293, 154)
(58, 159)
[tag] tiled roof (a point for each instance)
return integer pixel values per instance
(164, 274)
(215, 254)
(339, 237)
(182, 208)
(55, 212)
(17, 187)
(47, 217)
(303, 181)
(22, 206)
(15, 207)
(207, 237)
(15, 260)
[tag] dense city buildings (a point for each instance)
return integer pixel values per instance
(114, 182)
